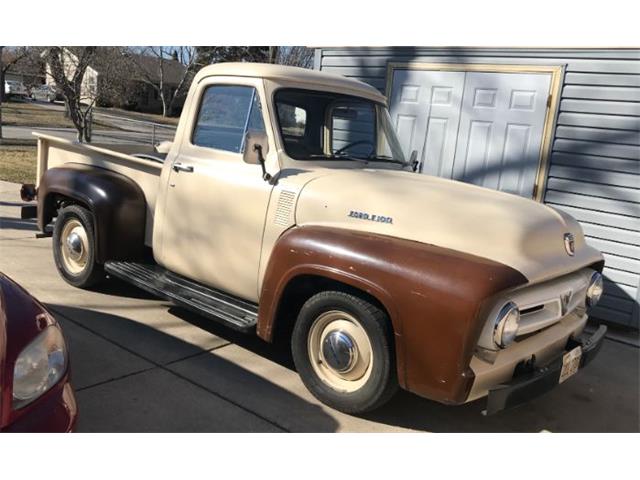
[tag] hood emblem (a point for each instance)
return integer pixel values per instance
(569, 243)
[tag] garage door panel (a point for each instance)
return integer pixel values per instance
(476, 152)
(405, 128)
(418, 97)
(436, 146)
(512, 170)
(515, 104)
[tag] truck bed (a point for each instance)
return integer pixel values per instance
(141, 163)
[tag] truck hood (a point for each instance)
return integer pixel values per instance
(502, 227)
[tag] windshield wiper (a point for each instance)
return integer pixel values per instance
(339, 157)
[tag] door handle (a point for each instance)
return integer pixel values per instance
(179, 167)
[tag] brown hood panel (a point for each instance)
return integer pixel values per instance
(433, 295)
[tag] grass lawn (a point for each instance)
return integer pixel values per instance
(18, 163)
(25, 114)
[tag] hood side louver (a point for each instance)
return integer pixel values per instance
(284, 208)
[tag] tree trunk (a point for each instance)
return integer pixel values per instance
(273, 54)
(164, 104)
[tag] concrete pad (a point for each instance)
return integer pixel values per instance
(95, 360)
(274, 391)
(601, 398)
(158, 401)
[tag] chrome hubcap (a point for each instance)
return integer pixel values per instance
(339, 351)
(74, 246)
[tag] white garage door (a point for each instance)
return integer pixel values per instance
(482, 128)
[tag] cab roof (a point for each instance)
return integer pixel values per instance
(283, 73)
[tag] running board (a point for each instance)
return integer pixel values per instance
(211, 303)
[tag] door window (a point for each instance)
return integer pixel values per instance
(227, 112)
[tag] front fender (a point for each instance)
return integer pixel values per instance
(435, 297)
(116, 202)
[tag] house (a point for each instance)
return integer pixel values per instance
(128, 81)
(24, 69)
(558, 125)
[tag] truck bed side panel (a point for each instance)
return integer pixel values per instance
(55, 152)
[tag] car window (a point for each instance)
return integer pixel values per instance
(227, 112)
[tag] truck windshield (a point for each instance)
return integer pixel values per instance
(318, 125)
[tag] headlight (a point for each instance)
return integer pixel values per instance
(595, 289)
(506, 325)
(39, 366)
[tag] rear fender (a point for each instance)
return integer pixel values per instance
(116, 202)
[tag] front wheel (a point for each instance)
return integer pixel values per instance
(342, 346)
(74, 247)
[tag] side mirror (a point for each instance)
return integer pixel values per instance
(256, 147)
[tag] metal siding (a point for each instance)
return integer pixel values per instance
(594, 170)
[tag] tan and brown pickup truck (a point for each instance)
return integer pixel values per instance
(285, 206)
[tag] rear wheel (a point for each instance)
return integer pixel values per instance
(74, 247)
(342, 347)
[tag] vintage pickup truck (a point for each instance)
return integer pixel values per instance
(285, 205)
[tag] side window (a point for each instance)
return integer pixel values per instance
(353, 129)
(293, 120)
(226, 113)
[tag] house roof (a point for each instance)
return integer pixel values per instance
(283, 73)
(173, 69)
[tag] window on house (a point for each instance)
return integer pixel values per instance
(226, 114)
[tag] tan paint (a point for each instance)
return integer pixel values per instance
(556, 73)
(502, 227)
(212, 220)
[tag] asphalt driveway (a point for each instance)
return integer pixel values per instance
(140, 364)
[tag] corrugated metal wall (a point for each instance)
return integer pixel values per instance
(595, 163)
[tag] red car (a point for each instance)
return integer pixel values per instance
(35, 392)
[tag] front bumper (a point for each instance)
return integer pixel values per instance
(55, 412)
(539, 380)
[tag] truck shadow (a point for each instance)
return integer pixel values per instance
(131, 377)
(598, 399)
(17, 224)
(602, 398)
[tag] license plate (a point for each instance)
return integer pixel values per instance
(570, 363)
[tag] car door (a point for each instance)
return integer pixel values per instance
(215, 204)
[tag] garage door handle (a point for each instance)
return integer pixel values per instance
(178, 167)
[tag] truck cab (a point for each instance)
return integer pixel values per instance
(286, 206)
(302, 133)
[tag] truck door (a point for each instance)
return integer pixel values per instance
(215, 204)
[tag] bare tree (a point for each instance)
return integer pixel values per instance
(296, 56)
(154, 73)
(208, 55)
(67, 66)
(10, 56)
